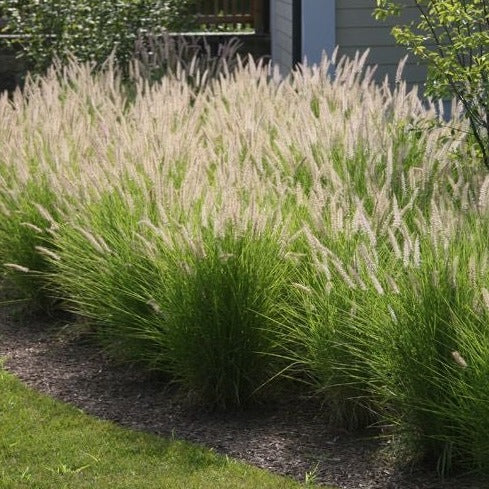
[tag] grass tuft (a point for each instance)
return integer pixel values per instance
(236, 230)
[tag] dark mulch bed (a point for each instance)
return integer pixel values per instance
(289, 438)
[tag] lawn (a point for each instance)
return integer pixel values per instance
(46, 444)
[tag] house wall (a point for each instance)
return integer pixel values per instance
(348, 24)
(357, 29)
(281, 34)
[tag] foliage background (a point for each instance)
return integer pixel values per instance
(90, 30)
(452, 36)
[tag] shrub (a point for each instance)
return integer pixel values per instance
(452, 36)
(90, 30)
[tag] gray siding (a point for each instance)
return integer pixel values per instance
(357, 30)
(282, 34)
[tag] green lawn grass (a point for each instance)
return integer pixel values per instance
(46, 444)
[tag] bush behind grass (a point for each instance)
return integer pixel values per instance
(87, 29)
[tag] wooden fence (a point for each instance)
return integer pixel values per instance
(233, 14)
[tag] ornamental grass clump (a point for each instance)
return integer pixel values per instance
(425, 351)
(325, 342)
(432, 369)
(100, 271)
(194, 303)
(29, 214)
(222, 334)
(257, 231)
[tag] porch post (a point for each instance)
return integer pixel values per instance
(258, 12)
(318, 29)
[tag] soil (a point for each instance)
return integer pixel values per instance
(289, 438)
